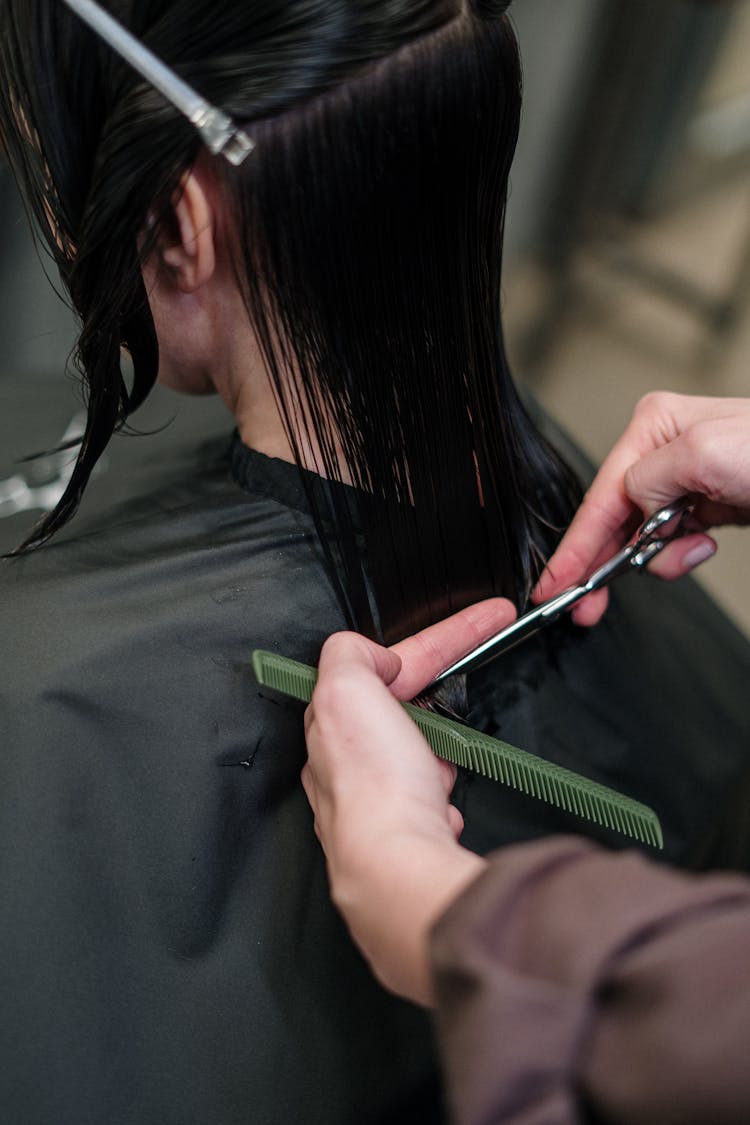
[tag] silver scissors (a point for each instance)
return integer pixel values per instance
(652, 537)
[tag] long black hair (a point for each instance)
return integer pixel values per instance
(369, 225)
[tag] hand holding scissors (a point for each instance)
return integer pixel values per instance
(652, 537)
(674, 445)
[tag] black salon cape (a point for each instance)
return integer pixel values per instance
(168, 953)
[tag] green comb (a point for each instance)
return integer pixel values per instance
(492, 758)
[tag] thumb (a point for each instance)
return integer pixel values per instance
(661, 476)
(658, 478)
(349, 654)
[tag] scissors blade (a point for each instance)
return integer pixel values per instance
(519, 630)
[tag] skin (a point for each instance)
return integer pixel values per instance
(674, 444)
(381, 800)
(206, 342)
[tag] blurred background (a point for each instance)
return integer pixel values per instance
(627, 262)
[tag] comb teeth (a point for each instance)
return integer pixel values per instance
(537, 777)
(492, 758)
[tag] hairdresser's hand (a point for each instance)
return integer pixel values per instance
(381, 799)
(674, 444)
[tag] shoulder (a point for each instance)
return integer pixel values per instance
(194, 569)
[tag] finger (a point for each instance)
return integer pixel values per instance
(710, 458)
(346, 654)
(310, 787)
(604, 522)
(455, 820)
(308, 784)
(426, 654)
(590, 610)
(683, 555)
(448, 774)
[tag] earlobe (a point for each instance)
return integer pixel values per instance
(192, 258)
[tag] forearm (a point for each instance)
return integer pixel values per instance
(566, 974)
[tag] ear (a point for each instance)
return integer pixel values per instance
(188, 251)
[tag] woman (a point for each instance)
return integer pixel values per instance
(173, 956)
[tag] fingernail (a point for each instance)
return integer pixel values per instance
(698, 555)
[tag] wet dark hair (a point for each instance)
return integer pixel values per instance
(370, 219)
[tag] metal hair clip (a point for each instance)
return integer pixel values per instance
(653, 535)
(219, 132)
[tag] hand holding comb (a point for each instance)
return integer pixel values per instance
(464, 746)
